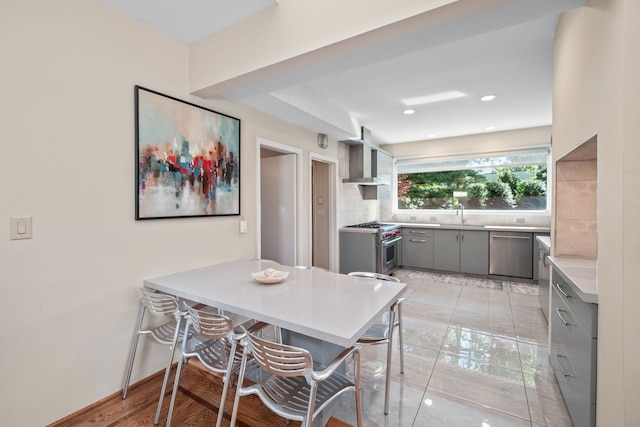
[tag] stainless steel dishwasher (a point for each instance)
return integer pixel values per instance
(511, 254)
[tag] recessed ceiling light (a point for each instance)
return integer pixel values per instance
(436, 97)
(488, 98)
(408, 111)
(490, 128)
(431, 135)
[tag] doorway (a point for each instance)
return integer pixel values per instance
(323, 244)
(278, 191)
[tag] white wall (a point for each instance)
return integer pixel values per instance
(596, 91)
(353, 209)
(69, 294)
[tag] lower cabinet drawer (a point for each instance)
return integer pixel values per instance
(577, 345)
(585, 313)
(581, 409)
(573, 359)
(417, 251)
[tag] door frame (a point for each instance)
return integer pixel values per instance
(285, 149)
(333, 203)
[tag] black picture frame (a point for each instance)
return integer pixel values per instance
(187, 159)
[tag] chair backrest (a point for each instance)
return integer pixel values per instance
(209, 325)
(158, 303)
(377, 276)
(280, 359)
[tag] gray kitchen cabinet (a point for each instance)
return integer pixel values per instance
(536, 252)
(574, 349)
(465, 251)
(417, 247)
(543, 276)
(447, 250)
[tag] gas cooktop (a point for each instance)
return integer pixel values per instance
(371, 225)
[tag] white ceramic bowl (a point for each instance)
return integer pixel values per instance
(270, 276)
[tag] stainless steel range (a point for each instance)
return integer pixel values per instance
(371, 246)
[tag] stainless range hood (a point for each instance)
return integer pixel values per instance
(362, 160)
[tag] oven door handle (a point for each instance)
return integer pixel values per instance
(391, 242)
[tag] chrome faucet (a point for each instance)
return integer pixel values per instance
(461, 209)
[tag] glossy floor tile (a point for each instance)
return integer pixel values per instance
(475, 353)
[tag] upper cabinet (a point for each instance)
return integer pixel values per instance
(576, 221)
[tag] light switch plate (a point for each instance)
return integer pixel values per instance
(21, 228)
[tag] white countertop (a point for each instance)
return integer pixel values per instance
(328, 306)
(524, 229)
(582, 274)
(544, 241)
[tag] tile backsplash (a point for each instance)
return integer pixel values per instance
(576, 225)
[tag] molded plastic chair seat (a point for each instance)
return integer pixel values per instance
(294, 389)
(169, 332)
(382, 333)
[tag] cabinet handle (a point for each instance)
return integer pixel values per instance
(558, 356)
(562, 318)
(418, 240)
(417, 232)
(511, 237)
(545, 260)
(563, 293)
(457, 238)
(540, 254)
(462, 236)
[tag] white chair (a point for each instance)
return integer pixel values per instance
(293, 389)
(168, 332)
(382, 333)
(214, 344)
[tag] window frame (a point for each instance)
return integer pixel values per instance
(468, 156)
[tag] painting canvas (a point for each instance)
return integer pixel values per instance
(187, 159)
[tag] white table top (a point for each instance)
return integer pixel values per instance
(328, 306)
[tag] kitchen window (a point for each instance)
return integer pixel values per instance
(515, 181)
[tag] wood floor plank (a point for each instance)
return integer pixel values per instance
(196, 405)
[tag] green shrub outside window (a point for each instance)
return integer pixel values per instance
(506, 181)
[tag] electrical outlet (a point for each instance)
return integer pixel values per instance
(413, 218)
(519, 220)
(433, 218)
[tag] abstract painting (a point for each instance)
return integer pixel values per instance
(187, 159)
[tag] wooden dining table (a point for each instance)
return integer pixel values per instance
(324, 307)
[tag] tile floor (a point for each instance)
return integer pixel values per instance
(475, 355)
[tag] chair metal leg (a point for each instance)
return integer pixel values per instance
(168, 370)
(132, 355)
(356, 357)
(236, 400)
(227, 379)
(176, 380)
(389, 360)
(400, 338)
(308, 420)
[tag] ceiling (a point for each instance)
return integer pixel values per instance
(506, 51)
